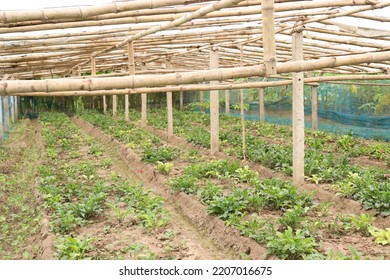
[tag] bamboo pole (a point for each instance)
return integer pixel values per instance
(201, 100)
(314, 107)
(138, 81)
(12, 109)
(93, 73)
(269, 36)
(261, 105)
(1, 119)
(6, 113)
(298, 114)
(168, 65)
(130, 53)
(181, 101)
(242, 111)
(199, 87)
(227, 102)
(214, 106)
(83, 12)
(144, 103)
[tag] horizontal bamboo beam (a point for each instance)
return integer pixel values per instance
(83, 12)
(204, 87)
(13, 87)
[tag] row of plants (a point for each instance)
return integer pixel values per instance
(320, 167)
(79, 190)
(20, 213)
(290, 230)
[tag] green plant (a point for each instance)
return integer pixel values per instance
(153, 219)
(293, 217)
(65, 221)
(361, 223)
(209, 193)
(96, 150)
(120, 214)
(381, 236)
(69, 248)
(291, 245)
(162, 154)
(355, 255)
(164, 168)
(89, 206)
(105, 163)
(184, 183)
(258, 228)
(233, 204)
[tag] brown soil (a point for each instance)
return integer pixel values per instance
(226, 241)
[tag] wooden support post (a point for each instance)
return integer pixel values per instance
(227, 102)
(314, 107)
(6, 113)
(93, 73)
(242, 112)
(269, 36)
(168, 65)
(181, 101)
(201, 100)
(144, 103)
(114, 105)
(16, 107)
(131, 66)
(1, 119)
(261, 105)
(298, 114)
(12, 109)
(214, 105)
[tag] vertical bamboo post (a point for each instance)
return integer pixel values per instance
(93, 73)
(144, 103)
(181, 101)
(242, 110)
(131, 66)
(12, 111)
(314, 107)
(269, 36)
(6, 113)
(1, 119)
(227, 103)
(16, 107)
(261, 104)
(214, 105)
(298, 113)
(201, 100)
(168, 65)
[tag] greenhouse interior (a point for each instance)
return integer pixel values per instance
(195, 130)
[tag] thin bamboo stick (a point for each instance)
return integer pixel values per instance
(130, 52)
(144, 103)
(169, 106)
(314, 107)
